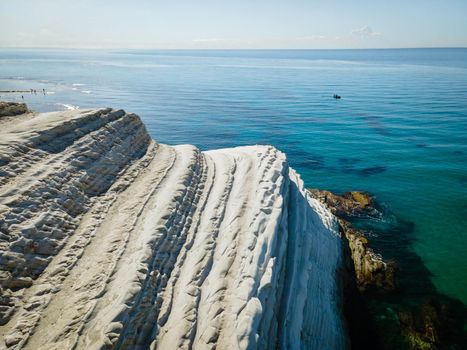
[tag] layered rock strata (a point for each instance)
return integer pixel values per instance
(109, 240)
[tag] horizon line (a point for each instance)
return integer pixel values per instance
(224, 49)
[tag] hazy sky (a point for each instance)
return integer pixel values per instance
(233, 24)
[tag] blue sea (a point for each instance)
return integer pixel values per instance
(399, 131)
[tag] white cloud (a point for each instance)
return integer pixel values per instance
(365, 32)
(208, 40)
(217, 43)
(312, 37)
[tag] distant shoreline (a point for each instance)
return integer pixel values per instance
(232, 49)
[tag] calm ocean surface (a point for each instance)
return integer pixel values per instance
(399, 131)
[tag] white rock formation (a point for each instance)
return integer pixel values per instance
(109, 240)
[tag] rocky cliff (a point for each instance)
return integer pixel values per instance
(109, 240)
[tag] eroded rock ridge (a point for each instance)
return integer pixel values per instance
(110, 240)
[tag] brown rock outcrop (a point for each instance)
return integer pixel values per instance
(10, 109)
(371, 271)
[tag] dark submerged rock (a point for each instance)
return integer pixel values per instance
(365, 172)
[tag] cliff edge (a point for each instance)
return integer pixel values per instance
(110, 240)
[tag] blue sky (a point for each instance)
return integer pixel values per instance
(234, 24)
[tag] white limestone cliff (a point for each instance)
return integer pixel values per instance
(109, 240)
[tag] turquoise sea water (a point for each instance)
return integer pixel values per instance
(399, 131)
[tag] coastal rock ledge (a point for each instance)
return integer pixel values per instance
(110, 240)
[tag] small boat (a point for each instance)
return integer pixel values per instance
(336, 96)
